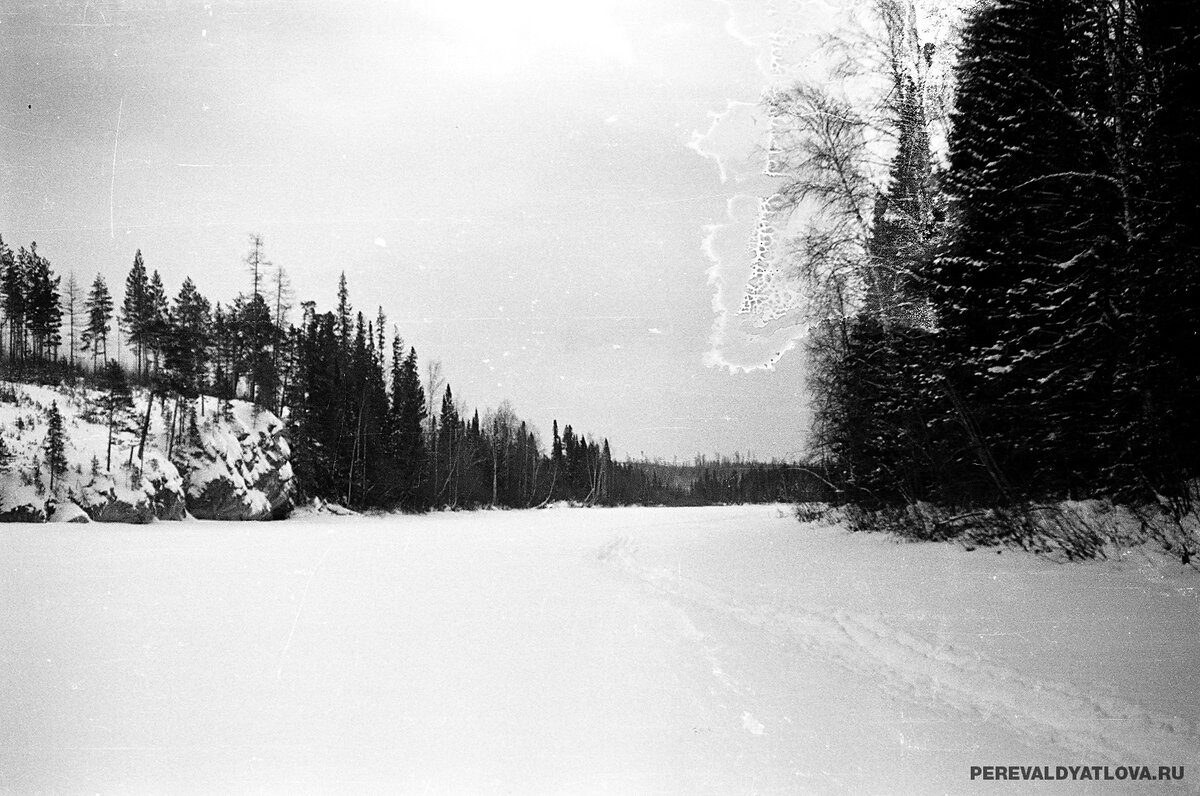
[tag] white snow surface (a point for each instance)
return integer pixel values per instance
(719, 650)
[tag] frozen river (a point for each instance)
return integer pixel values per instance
(714, 650)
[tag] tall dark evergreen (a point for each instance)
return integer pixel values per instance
(135, 310)
(258, 337)
(184, 343)
(345, 312)
(1029, 291)
(318, 401)
(156, 322)
(99, 308)
(408, 405)
(43, 308)
(55, 445)
(450, 444)
(1154, 49)
(15, 287)
(1043, 342)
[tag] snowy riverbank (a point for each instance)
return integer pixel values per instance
(712, 650)
(232, 463)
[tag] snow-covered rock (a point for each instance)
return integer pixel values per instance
(318, 507)
(235, 465)
(19, 502)
(242, 468)
(68, 512)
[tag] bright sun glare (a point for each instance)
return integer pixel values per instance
(495, 38)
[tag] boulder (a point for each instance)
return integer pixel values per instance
(156, 494)
(242, 471)
(68, 512)
(22, 513)
(20, 502)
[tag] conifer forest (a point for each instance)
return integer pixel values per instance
(368, 429)
(1007, 312)
(1012, 314)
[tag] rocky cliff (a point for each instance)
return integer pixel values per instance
(208, 459)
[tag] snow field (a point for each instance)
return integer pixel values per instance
(714, 650)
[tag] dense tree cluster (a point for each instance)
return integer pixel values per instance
(726, 482)
(32, 309)
(366, 430)
(1042, 340)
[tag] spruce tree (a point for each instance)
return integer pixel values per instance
(344, 313)
(135, 310)
(156, 322)
(1157, 160)
(187, 343)
(317, 409)
(408, 404)
(1023, 293)
(43, 311)
(6, 262)
(55, 445)
(258, 338)
(556, 448)
(449, 449)
(15, 287)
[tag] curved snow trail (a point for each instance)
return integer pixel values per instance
(1098, 728)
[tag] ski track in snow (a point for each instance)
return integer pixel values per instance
(957, 677)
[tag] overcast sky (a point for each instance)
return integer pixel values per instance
(512, 182)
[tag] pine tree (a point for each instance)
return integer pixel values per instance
(98, 307)
(185, 355)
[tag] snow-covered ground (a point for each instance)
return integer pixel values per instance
(712, 650)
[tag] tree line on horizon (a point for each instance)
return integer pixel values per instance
(366, 430)
(1019, 319)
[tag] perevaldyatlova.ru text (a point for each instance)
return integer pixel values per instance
(1022, 773)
